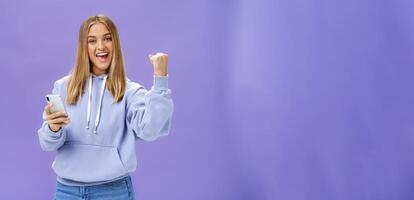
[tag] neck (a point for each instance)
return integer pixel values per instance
(98, 71)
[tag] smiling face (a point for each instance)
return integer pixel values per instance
(100, 48)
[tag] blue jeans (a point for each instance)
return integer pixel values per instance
(121, 189)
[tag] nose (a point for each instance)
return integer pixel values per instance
(100, 45)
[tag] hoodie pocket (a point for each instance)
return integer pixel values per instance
(88, 163)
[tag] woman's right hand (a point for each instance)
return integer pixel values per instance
(55, 120)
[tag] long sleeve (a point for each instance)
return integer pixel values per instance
(49, 140)
(149, 112)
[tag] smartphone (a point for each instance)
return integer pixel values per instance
(56, 101)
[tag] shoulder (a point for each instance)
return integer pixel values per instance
(132, 86)
(62, 81)
(60, 84)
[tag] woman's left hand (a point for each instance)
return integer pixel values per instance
(159, 61)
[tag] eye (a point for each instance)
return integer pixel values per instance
(108, 39)
(91, 41)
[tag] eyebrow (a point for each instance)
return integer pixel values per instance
(92, 36)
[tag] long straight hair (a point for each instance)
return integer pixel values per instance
(116, 81)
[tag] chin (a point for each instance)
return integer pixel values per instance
(106, 69)
(101, 67)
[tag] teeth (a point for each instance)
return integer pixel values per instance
(101, 54)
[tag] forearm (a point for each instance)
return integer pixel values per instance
(152, 113)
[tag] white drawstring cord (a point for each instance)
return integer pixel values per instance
(88, 115)
(98, 115)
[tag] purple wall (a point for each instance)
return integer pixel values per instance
(282, 99)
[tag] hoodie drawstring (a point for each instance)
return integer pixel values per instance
(88, 115)
(98, 115)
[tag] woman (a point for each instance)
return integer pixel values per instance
(105, 113)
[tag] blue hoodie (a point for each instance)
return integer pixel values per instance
(98, 144)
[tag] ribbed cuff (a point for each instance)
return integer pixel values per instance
(161, 82)
(52, 134)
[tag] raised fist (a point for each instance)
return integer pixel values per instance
(159, 61)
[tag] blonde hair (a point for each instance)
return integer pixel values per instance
(116, 81)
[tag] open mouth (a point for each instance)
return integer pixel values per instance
(103, 57)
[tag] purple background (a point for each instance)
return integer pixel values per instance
(283, 99)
